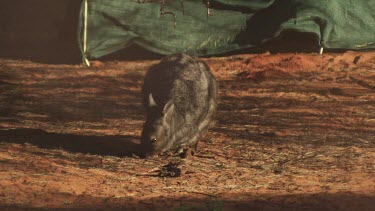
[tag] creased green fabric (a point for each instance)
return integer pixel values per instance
(233, 24)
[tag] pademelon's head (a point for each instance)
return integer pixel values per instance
(156, 130)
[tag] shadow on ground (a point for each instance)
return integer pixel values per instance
(321, 201)
(114, 145)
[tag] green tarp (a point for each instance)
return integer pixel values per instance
(233, 24)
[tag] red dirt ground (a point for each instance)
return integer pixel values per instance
(292, 132)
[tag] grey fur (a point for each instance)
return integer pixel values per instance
(180, 98)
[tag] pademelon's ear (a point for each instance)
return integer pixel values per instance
(168, 108)
(151, 101)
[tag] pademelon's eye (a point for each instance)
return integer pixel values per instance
(153, 140)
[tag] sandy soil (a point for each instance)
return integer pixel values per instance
(292, 132)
